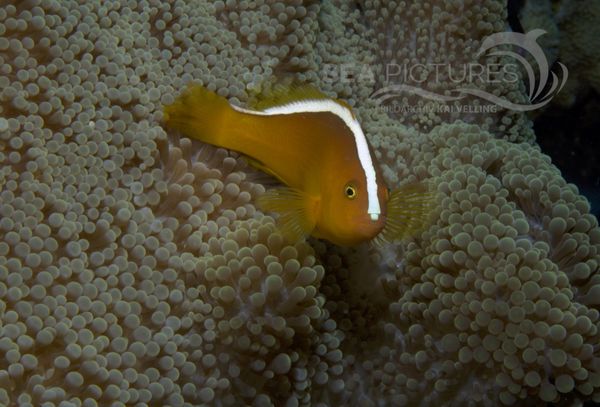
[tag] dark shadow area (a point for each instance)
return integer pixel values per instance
(572, 138)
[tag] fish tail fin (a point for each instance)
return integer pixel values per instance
(409, 211)
(199, 113)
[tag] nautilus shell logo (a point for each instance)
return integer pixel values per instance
(517, 51)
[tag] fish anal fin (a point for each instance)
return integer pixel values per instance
(296, 211)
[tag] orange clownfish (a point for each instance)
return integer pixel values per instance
(315, 146)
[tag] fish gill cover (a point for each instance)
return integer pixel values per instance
(136, 270)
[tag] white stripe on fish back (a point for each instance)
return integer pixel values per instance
(364, 155)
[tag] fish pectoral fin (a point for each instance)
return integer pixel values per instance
(296, 211)
(409, 211)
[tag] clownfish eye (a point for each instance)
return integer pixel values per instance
(350, 191)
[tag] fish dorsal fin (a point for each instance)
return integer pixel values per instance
(279, 94)
(297, 211)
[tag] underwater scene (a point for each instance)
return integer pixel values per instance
(299, 203)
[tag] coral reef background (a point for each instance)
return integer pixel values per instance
(136, 270)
